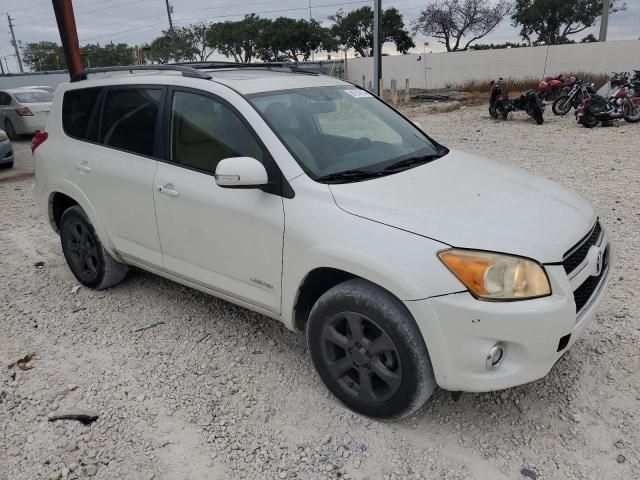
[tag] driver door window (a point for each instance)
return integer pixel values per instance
(205, 131)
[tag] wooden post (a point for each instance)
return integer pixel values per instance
(370, 86)
(364, 85)
(381, 88)
(407, 94)
(394, 91)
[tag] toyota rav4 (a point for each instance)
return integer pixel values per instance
(308, 199)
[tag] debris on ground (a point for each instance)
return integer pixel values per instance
(86, 417)
(39, 264)
(23, 363)
(75, 289)
(148, 327)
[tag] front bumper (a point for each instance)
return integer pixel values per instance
(459, 331)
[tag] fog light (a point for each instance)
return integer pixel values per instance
(494, 357)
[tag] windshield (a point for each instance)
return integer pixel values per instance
(344, 130)
(33, 97)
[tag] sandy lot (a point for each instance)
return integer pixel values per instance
(218, 392)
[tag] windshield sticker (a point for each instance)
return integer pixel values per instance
(358, 93)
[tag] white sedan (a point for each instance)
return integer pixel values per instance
(24, 111)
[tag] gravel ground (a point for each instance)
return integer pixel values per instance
(218, 392)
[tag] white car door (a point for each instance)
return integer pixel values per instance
(229, 240)
(116, 167)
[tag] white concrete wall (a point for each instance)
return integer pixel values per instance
(49, 80)
(445, 69)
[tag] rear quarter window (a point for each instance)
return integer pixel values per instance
(77, 109)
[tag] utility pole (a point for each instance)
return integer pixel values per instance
(14, 43)
(377, 54)
(169, 15)
(171, 34)
(604, 21)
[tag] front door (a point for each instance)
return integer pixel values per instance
(229, 240)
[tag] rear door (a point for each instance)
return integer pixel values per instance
(116, 163)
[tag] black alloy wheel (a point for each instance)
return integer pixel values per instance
(86, 256)
(81, 250)
(361, 357)
(369, 351)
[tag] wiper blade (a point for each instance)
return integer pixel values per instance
(349, 175)
(412, 162)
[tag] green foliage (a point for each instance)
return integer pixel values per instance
(289, 39)
(239, 39)
(355, 30)
(111, 54)
(552, 21)
(178, 45)
(41, 56)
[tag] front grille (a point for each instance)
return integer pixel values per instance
(578, 252)
(584, 292)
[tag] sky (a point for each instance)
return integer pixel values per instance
(140, 21)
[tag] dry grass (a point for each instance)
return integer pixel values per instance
(512, 85)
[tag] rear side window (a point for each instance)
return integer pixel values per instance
(77, 108)
(129, 118)
(5, 99)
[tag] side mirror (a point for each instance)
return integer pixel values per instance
(241, 172)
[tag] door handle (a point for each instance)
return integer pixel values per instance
(168, 190)
(83, 167)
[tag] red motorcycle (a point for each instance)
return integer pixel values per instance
(552, 87)
(622, 102)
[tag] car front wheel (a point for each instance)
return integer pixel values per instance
(88, 260)
(369, 351)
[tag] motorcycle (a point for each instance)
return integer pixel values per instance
(573, 98)
(550, 88)
(500, 105)
(622, 102)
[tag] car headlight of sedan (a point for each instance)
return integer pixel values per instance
(495, 276)
(3, 136)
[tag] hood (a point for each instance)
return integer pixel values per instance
(466, 201)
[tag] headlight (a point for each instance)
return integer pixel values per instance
(494, 276)
(3, 136)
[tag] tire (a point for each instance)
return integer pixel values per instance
(389, 353)
(492, 112)
(87, 259)
(634, 115)
(7, 166)
(588, 121)
(10, 129)
(561, 106)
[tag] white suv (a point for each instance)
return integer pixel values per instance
(311, 201)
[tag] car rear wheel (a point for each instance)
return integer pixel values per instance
(88, 260)
(369, 351)
(10, 129)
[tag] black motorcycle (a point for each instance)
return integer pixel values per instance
(580, 91)
(500, 105)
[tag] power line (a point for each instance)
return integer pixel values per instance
(81, 13)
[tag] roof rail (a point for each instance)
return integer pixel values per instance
(185, 69)
(266, 65)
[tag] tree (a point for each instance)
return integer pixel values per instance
(552, 21)
(289, 39)
(355, 30)
(178, 45)
(453, 22)
(41, 56)
(197, 35)
(111, 54)
(239, 39)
